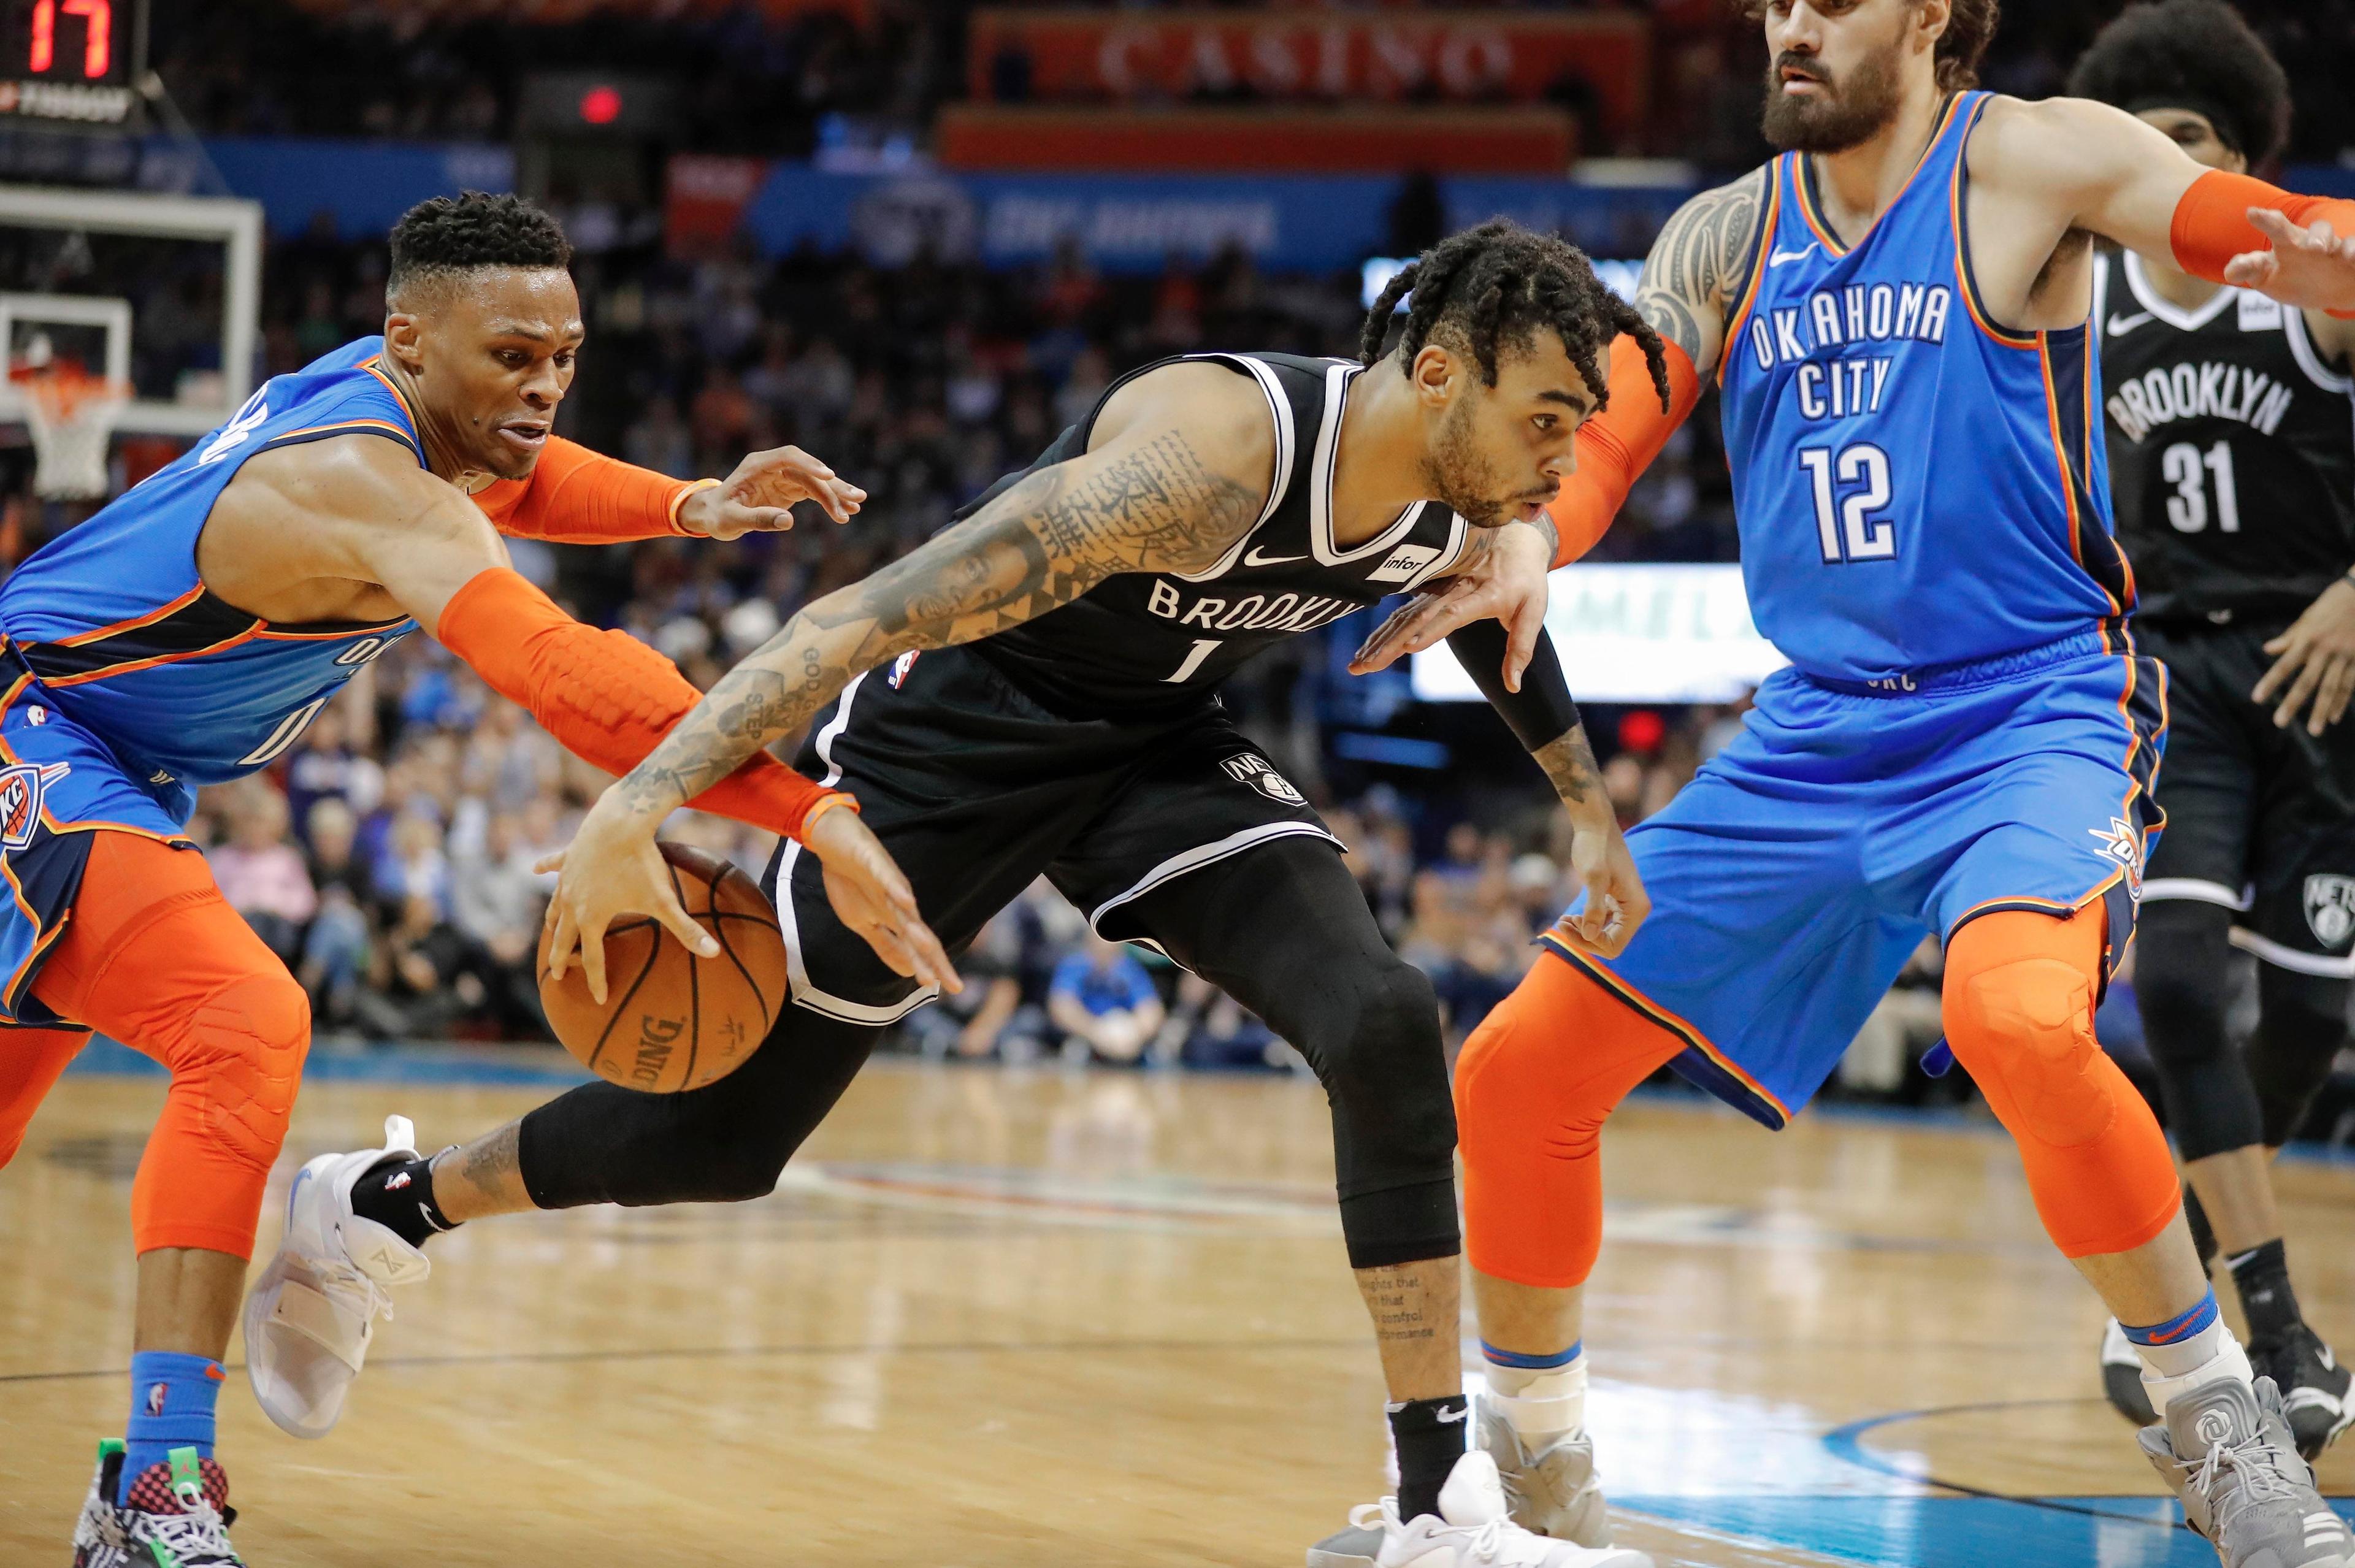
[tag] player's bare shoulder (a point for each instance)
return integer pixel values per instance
(1694, 274)
(1193, 442)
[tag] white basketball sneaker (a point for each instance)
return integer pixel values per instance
(312, 1314)
(1470, 1530)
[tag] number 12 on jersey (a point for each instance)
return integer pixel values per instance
(1850, 487)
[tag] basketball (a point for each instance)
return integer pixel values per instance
(672, 1022)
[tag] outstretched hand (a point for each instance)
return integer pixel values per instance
(761, 496)
(871, 896)
(611, 867)
(1506, 582)
(2309, 268)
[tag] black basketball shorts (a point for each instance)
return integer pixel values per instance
(977, 790)
(2259, 819)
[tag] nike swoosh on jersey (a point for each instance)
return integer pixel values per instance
(1255, 559)
(1780, 257)
(2122, 324)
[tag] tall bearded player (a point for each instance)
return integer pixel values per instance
(1963, 744)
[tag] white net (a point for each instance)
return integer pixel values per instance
(71, 417)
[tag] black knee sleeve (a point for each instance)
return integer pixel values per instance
(2181, 950)
(1378, 1053)
(2301, 1024)
(723, 1144)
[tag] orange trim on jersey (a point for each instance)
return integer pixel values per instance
(93, 824)
(99, 634)
(1668, 1020)
(1823, 230)
(2023, 901)
(369, 365)
(2060, 454)
(1769, 221)
(110, 671)
(1965, 283)
(270, 633)
(408, 437)
(2135, 742)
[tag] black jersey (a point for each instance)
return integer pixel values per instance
(2231, 451)
(1142, 641)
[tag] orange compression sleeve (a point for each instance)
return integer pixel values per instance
(578, 496)
(1617, 446)
(606, 696)
(2211, 222)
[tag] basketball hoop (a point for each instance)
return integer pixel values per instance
(70, 414)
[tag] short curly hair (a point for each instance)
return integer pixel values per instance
(2191, 54)
(1970, 27)
(1498, 286)
(449, 234)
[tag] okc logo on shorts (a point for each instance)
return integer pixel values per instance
(1253, 769)
(2121, 843)
(2330, 908)
(900, 669)
(21, 788)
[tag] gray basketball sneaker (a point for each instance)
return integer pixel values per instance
(1553, 1493)
(2226, 1452)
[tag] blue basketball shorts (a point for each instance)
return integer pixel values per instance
(1792, 880)
(59, 781)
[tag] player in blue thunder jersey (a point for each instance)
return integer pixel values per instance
(1964, 743)
(185, 636)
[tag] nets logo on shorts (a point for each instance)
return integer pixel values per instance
(2330, 908)
(1253, 769)
(21, 788)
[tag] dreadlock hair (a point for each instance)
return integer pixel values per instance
(2191, 54)
(1498, 286)
(1970, 26)
(451, 234)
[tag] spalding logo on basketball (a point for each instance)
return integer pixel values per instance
(1253, 769)
(2330, 908)
(671, 1020)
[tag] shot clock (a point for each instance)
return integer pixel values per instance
(67, 62)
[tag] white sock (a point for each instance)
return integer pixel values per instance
(2169, 1371)
(1543, 1406)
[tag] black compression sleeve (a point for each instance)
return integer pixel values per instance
(1542, 712)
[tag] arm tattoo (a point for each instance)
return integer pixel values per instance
(1044, 543)
(1569, 763)
(1696, 264)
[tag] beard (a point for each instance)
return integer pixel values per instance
(1460, 476)
(1845, 113)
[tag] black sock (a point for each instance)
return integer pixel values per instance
(2262, 1276)
(401, 1197)
(1429, 1438)
(2204, 1235)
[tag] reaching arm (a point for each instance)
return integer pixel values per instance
(2107, 172)
(1170, 492)
(575, 495)
(1180, 472)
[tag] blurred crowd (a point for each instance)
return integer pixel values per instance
(778, 80)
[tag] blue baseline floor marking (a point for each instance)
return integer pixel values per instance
(1970, 1529)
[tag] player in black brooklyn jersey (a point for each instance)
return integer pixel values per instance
(1034, 691)
(2232, 449)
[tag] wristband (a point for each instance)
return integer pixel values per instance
(1539, 714)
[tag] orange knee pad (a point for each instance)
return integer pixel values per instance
(1533, 1086)
(155, 958)
(2019, 994)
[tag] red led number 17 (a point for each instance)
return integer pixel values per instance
(98, 47)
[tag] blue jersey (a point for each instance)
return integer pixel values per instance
(109, 626)
(1916, 487)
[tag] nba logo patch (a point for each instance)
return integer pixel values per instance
(1253, 769)
(155, 1398)
(2330, 908)
(21, 788)
(901, 666)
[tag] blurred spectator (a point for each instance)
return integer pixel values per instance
(335, 949)
(1103, 999)
(262, 874)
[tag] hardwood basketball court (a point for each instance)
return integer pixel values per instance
(999, 1318)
